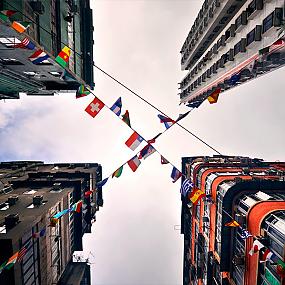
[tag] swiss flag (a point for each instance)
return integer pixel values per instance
(94, 107)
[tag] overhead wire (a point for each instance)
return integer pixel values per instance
(120, 83)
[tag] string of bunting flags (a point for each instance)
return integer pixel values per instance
(19, 255)
(258, 246)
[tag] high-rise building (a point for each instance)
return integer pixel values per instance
(250, 192)
(53, 24)
(230, 42)
(31, 193)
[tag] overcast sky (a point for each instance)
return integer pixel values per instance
(133, 240)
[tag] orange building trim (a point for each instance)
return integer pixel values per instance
(255, 216)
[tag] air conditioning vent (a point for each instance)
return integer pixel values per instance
(37, 7)
(12, 200)
(11, 220)
(38, 200)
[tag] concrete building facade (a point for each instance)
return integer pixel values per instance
(53, 25)
(30, 194)
(248, 191)
(231, 38)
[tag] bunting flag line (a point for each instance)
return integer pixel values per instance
(134, 141)
(256, 247)
(61, 213)
(126, 118)
(102, 183)
(232, 223)
(163, 160)
(166, 121)
(94, 107)
(23, 251)
(66, 76)
(8, 13)
(20, 27)
(196, 195)
(77, 207)
(12, 260)
(82, 91)
(63, 57)
(88, 193)
(117, 107)
(186, 186)
(175, 174)
(182, 116)
(25, 43)
(118, 172)
(213, 97)
(38, 57)
(146, 151)
(2, 266)
(53, 222)
(234, 79)
(4, 18)
(245, 234)
(267, 256)
(280, 268)
(134, 163)
(39, 234)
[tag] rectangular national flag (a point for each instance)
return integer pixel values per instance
(163, 160)
(82, 91)
(63, 57)
(245, 234)
(12, 260)
(175, 174)
(8, 13)
(102, 182)
(186, 186)
(232, 223)
(267, 256)
(134, 163)
(196, 195)
(38, 56)
(94, 107)
(134, 141)
(20, 27)
(25, 43)
(61, 213)
(126, 118)
(146, 151)
(213, 97)
(118, 172)
(23, 251)
(257, 245)
(117, 107)
(77, 207)
(166, 121)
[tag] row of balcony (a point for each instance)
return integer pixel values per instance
(251, 11)
(272, 20)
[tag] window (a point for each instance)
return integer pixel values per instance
(251, 8)
(238, 21)
(237, 48)
(267, 23)
(250, 37)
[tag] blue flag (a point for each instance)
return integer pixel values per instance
(175, 174)
(102, 183)
(117, 107)
(186, 186)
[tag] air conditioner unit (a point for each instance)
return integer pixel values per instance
(37, 7)
(12, 200)
(11, 220)
(38, 200)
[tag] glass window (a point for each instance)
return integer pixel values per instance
(250, 37)
(267, 23)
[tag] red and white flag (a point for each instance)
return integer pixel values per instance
(267, 255)
(164, 160)
(134, 163)
(94, 107)
(257, 246)
(134, 141)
